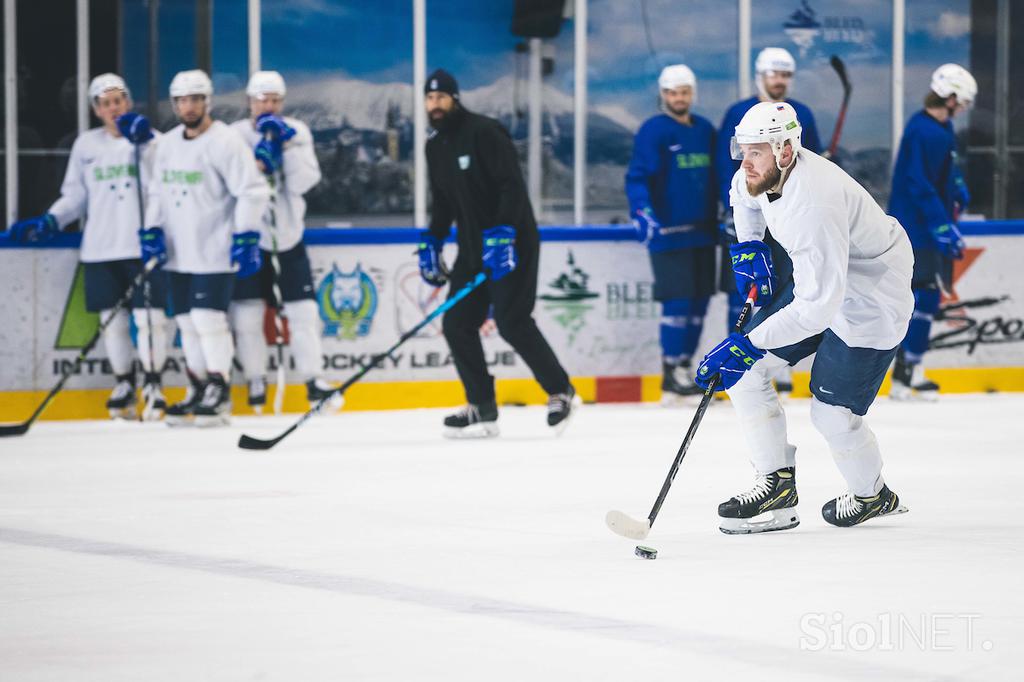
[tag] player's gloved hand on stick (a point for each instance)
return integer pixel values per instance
(274, 127)
(270, 154)
(752, 265)
(729, 359)
(153, 244)
(646, 225)
(949, 240)
(432, 267)
(135, 127)
(500, 251)
(35, 230)
(245, 253)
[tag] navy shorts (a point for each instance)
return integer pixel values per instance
(107, 282)
(189, 290)
(840, 375)
(929, 267)
(684, 273)
(295, 277)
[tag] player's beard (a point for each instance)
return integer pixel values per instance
(193, 123)
(770, 179)
(678, 111)
(777, 93)
(443, 118)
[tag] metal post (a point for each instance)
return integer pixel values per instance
(743, 58)
(82, 29)
(11, 108)
(255, 48)
(153, 62)
(204, 35)
(899, 18)
(1002, 112)
(533, 154)
(419, 79)
(579, 144)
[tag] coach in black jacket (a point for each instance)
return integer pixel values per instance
(476, 183)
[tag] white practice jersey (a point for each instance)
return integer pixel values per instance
(204, 190)
(852, 263)
(100, 185)
(299, 174)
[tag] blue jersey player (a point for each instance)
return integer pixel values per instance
(928, 193)
(672, 194)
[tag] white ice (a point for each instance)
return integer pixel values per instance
(366, 547)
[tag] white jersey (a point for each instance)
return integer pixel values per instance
(205, 189)
(299, 174)
(852, 263)
(99, 185)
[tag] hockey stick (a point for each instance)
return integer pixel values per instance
(20, 429)
(147, 408)
(250, 443)
(278, 302)
(625, 525)
(840, 68)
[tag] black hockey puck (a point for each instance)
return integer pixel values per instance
(646, 552)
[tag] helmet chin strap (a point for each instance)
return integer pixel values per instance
(784, 172)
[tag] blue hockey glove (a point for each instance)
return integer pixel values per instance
(270, 154)
(949, 240)
(752, 264)
(432, 267)
(153, 245)
(35, 230)
(274, 127)
(134, 127)
(500, 251)
(647, 226)
(245, 253)
(729, 359)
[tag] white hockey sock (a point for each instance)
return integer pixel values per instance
(190, 345)
(762, 418)
(117, 339)
(247, 322)
(304, 325)
(159, 332)
(215, 339)
(853, 445)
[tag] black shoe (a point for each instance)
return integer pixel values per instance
(561, 407)
(215, 405)
(153, 402)
(257, 394)
(909, 382)
(849, 509)
(183, 412)
(773, 493)
(677, 381)
(121, 403)
(473, 421)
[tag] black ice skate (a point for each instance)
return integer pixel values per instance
(849, 509)
(677, 383)
(909, 382)
(215, 406)
(318, 389)
(154, 405)
(257, 394)
(768, 506)
(473, 421)
(183, 413)
(561, 408)
(121, 404)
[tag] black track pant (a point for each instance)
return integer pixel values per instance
(513, 297)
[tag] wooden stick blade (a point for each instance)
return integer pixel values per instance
(626, 526)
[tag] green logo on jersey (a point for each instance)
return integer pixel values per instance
(182, 177)
(693, 160)
(115, 172)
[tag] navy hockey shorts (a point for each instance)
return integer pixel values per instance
(684, 273)
(841, 375)
(192, 290)
(108, 281)
(295, 277)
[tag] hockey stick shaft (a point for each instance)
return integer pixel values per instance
(19, 429)
(278, 303)
(840, 70)
(250, 443)
(709, 393)
(146, 293)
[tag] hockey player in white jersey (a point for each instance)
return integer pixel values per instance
(100, 185)
(849, 303)
(284, 152)
(203, 219)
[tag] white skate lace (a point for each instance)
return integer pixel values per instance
(762, 486)
(211, 396)
(847, 505)
(121, 390)
(470, 413)
(152, 393)
(257, 386)
(558, 402)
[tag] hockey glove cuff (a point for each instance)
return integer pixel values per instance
(752, 265)
(646, 225)
(500, 251)
(730, 359)
(153, 244)
(274, 126)
(35, 230)
(245, 253)
(432, 267)
(949, 240)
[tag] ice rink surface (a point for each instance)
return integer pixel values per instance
(366, 547)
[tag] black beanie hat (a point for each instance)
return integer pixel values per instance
(442, 81)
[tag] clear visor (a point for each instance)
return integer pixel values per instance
(736, 151)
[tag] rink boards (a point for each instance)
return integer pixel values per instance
(594, 304)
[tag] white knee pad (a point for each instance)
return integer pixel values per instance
(853, 445)
(304, 324)
(247, 322)
(151, 323)
(762, 418)
(191, 346)
(215, 339)
(117, 339)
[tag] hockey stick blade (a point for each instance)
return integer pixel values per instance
(249, 443)
(840, 69)
(626, 526)
(14, 429)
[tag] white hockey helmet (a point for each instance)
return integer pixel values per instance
(774, 59)
(263, 83)
(772, 122)
(107, 81)
(194, 82)
(953, 79)
(676, 76)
